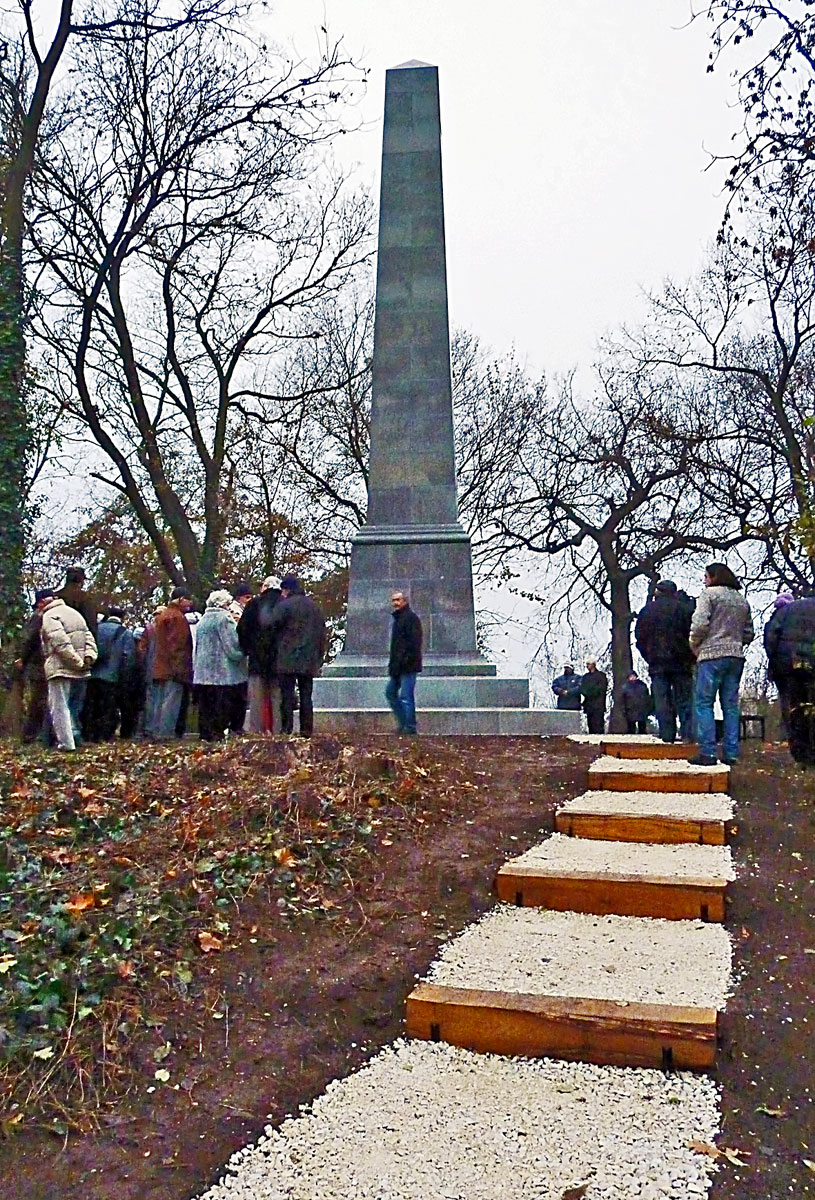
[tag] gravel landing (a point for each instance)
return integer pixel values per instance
(636, 959)
(562, 853)
(700, 806)
(654, 766)
(427, 1120)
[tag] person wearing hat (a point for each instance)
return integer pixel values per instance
(172, 665)
(567, 689)
(30, 670)
(259, 645)
(661, 633)
(299, 626)
(69, 652)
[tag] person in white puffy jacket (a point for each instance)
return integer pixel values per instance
(68, 651)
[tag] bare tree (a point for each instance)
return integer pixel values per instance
(187, 228)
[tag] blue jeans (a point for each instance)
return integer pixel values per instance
(399, 692)
(76, 702)
(168, 696)
(721, 675)
(673, 697)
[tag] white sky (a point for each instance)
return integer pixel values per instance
(574, 136)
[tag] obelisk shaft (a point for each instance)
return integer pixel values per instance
(412, 540)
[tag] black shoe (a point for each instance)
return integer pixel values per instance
(703, 760)
(730, 762)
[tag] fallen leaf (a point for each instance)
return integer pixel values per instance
(705, 1148)
(7, 961)
(284, 857)
(208, 942)
(125, 970)
(162, 1075)
(771, 1112)
(732, 1156)
(161, 1053)
(46, 1052)
(809, 1164)
(577, 1192)
(81, 902)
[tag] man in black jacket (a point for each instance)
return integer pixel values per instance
(789, 640)
(404, 664)
(567, 689)
(593, 688)
(661, 633)
(298, 623)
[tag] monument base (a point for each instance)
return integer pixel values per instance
(451, 722)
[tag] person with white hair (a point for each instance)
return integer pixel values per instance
(219, 668)
(259, 644)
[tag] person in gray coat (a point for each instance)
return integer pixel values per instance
(219, 668)
(720, 628)
(299, 625)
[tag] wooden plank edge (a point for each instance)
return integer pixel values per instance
(575, 1028)
(624, 781)
(641, 827)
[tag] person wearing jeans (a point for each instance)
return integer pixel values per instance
(172, 665)
(404, 663)
(720, 629)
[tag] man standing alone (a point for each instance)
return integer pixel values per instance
(593, 688)
(404, 664)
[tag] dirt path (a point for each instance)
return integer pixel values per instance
(297, 1004)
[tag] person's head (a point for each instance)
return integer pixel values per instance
(181, 597)
(271, 581)
(118, 613)
(290, 585)
(783, 599)
(398, 601)
(220, 598)
(242, 594)
(632, 676)
(719, 575)
(75, 575)
(666, 587)
(568, 669)
(43, 598)
(591, 665)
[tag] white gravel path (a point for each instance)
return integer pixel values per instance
(425, 1120)
(562, 853)
(636, 959)
(597, 739)
(700, 806)
(653, 766)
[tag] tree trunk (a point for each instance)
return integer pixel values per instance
(14, 442)
(622, 662)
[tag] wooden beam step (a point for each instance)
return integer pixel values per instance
(611, 774)
(573, 1028)
(601, 892)
(650, 750)
(655, 817)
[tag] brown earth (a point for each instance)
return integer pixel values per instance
(310, 999)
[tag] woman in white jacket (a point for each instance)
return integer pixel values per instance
(69, 652)
(720, 629)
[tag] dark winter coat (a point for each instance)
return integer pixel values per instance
(662, 632)
(31, 649)
(567, 689)
(789, 638)
(299, 626)
(637, 703)
(117, 652)
(257, 640)
(593, 687)
(83, 602)
(406, 643)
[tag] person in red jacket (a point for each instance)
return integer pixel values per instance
(172, 665)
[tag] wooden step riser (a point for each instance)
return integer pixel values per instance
(646, 828)
(576, 1029)
(629, 781)
(669, 898)
(670, 750)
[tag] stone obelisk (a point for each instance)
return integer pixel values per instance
(412, 540)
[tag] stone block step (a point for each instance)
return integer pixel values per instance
(679, 882)
(450, 722)
(655, 775)
(575, 1029)
(661, 817)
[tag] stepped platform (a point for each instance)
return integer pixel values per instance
(656, 817)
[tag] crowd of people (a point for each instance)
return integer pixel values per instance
(247, 662)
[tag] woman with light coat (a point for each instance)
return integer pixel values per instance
(219, 669)
(68, 651)
(720, 629)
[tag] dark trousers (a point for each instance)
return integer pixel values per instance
(100, 716)
(800, 688)
(305, 685)
(217, 704)
(595, 711)
(37, 722)
(238, 717)
(672, 692)
(637, 726)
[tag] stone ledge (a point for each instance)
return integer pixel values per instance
(444, 722)
(434, 691)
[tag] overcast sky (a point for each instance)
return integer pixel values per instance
(574, 151)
